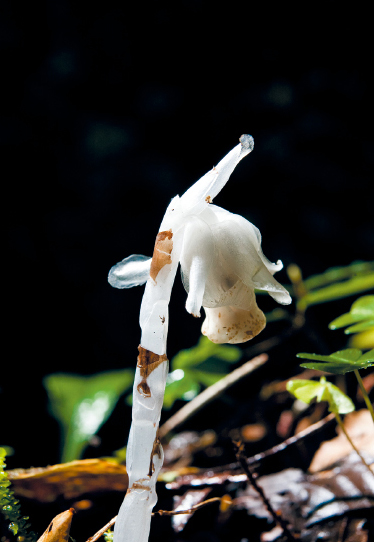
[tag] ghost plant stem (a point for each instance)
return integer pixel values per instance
(222, 264)
(364, 393)
(341, 425)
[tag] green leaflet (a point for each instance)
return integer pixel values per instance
(307, 390)
(340, 362)
(82, 404)
(359, 318)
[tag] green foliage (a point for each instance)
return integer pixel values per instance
(339, 274)
(108, 535)
(10, 507)
(337, 283)
(307, 390)
(361, 315)
(340, 362)
(82, 404)
(202, 365)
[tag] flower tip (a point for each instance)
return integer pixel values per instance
(247, 142)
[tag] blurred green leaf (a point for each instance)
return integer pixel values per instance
(185, 388)
(361, 315)
(338, 274)
(340, 362)
(205, 349)
(201, 365)
(337, 290)
(208, 378)
(307, 390)
(82, 404)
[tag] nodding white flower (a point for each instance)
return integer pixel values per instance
(221, 264)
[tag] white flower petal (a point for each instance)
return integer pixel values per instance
(242, 257)
(132, 271)
(264, 280)
(254, 234)
(206, 188)
(197, 287)
(196, 260)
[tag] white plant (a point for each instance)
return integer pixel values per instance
(221, 265)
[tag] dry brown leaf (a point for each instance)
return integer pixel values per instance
(311, 504)
(359, 427)
(59, 528)
(70, 480)
(306, 500)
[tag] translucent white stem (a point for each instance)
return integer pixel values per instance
(144, 452)
(144, 457)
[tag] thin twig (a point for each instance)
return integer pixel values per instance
(277, 518)
(191, 510)
(364, 393)
(341, 425)
(295, 439)
(211, 393)
(103, 530)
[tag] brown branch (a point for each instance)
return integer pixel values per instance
(191, 510)
(292, 440)
(103, 530)
(277, 518)
(211, 393)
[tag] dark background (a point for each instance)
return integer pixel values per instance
(110, 111)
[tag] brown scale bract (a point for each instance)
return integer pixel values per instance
(147, 362)
(161, 252)
(137, 485)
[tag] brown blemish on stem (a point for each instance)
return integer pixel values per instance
(147, 362)
(156, 450)
(161, 252)
(208, 199)
(144, 389)
(137, 485)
